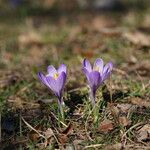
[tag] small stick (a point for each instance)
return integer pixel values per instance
(33, 128)
(59, 120)
(136, 125)
(93, 146)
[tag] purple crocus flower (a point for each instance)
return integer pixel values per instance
(96, 74)
(55, 80)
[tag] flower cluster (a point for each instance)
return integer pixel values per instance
(96, 74)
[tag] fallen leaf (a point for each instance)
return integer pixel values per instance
(140, 102)
(138, 38)
(124, 121)
(142, 68)
(111, 32)
(124, 107)
(68, 130)
(105, 126)
(101, 22)
(63, 137)
(77, 144)
(29, 38)
(34, 136)
(114, 110)
(117, 146)
(144, 133)
(48, 3)
(48, 133)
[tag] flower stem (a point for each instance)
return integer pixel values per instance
(61, 103)
(92, 97)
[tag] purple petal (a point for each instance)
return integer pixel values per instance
(52, 83)
(99, 64)
(62, 68)
(87, 65)
(42, 77)
(107, 70)
(61, 80)
(86, 72)
(94, 80)
(57, 85)
(51, 70)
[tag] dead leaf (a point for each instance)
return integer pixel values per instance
(138, 38)
(114, 110)
(117, 146)
(87, 54)
(15, 102)
(29, 38)
(48, 133)
(111, 32)
(63, 137)
(140, 102)
(8, 80)
(34, 136)
(100, 22)
(68, 130)
(77, 144)
(142, 68)
(124, 107)
(144, 133)
(105, 126)
(124, 121)
(49, 3)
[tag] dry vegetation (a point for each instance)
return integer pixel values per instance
(29, 43)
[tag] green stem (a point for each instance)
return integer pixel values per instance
(61, 110)
(92, 97)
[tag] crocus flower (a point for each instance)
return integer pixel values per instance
(55, 80)
(96, 74)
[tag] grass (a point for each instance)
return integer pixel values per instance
(64, 42)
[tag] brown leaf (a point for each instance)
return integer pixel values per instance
(124, 121)
(63, 137)
(29, 38)
(114, 110)
(140, 102)
(117, 146)
(144, 133)
(124, 107)
(138, 38)
(48, 133)
(68, 130)
(34, 136)
(48, 3)
(87, 54)
(101, 22)
(106, 126)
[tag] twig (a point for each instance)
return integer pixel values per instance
(78, 89)
(136, 125)
(33, 128)
(58, 120)
(93, 146)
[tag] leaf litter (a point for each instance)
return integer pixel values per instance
(97, 30)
